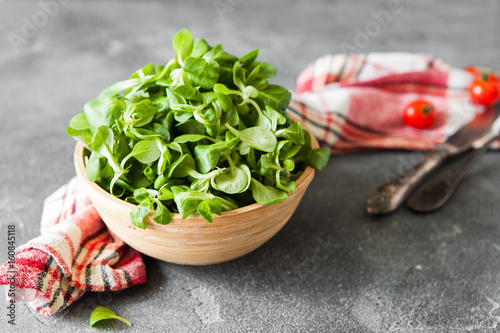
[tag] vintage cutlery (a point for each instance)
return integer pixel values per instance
(390, 195)
(434, 193)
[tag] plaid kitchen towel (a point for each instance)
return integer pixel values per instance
(75, 253)
(355, 102)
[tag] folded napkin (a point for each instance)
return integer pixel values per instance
(356, 102)
(75, 253)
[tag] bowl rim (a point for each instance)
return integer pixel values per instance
(304, 180)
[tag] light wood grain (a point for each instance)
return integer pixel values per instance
(194, 241)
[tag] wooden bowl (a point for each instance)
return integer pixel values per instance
(194, 241)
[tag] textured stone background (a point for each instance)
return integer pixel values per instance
(332, 268)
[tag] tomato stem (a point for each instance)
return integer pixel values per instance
(427, 109)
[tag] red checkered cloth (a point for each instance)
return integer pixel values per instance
(355, 102)
(75, 253)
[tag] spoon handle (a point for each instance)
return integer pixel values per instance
(392, 194)
(435, 192)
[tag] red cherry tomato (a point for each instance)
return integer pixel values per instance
(420, 114)
(485, 89)
(478, 72)
(472, 70)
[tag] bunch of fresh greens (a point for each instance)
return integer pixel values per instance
(203, 134)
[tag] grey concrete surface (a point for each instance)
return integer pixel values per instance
(332, 268)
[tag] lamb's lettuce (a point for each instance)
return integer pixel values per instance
(203, 134)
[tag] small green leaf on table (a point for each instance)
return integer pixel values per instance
(103, 313)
